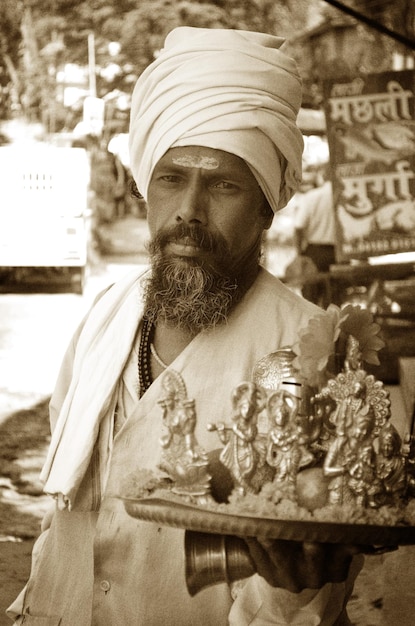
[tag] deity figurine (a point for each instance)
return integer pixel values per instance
(182, 458)
(353, 360)
(323, 407)
(391, 465)
(347, 408)
(362, 409)
(242, 453)
(286, 449)
(350, 462)
(363, 481)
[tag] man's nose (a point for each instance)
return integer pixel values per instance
(193, 204)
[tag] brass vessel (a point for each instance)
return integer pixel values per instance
(211, 559)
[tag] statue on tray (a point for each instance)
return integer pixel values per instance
(244, 452)
(283, 449)
(280, 426)
(350, 462)
(287, 444)
(322, 408)
(391, 464)
(182, 458)
(362, 409)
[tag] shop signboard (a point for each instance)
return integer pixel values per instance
(371, 135)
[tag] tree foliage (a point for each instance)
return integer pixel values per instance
(10, 18)
(37, 35)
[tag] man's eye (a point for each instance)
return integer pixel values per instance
(224, 184)
(171, 178)
(168, 180)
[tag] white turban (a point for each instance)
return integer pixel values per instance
(225, 89)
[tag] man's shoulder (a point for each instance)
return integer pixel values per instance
(284, 298)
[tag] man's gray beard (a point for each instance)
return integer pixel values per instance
(190, 296)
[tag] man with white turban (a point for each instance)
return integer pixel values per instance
(229, 90)
(214, 150)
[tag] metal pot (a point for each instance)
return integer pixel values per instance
(211, 559)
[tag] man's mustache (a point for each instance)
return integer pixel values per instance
(196, 233)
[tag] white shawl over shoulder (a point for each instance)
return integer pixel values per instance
(102, 350)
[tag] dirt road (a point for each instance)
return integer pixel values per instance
(24, 437)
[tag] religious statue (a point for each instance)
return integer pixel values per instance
(350, 462)
(362, 409)
(283, 451)
(286, 449)
(323, 408)
(242, 453)
(362, 476)
(338, 434)
(182, 458)
(391, 465)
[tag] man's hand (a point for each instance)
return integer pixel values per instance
(295, 566)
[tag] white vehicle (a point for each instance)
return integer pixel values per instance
(44, 191)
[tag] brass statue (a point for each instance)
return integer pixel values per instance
(391, 465)
(243, 453)
(287, 445)
(182, 459)
(350, 462)
(362, 408)
(278, 428)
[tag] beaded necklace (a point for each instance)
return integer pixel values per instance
(153, 351)
(145, 377)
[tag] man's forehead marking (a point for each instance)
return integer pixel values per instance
(199, 161)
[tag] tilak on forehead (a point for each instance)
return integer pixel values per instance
(228, 90)
(199, 161)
